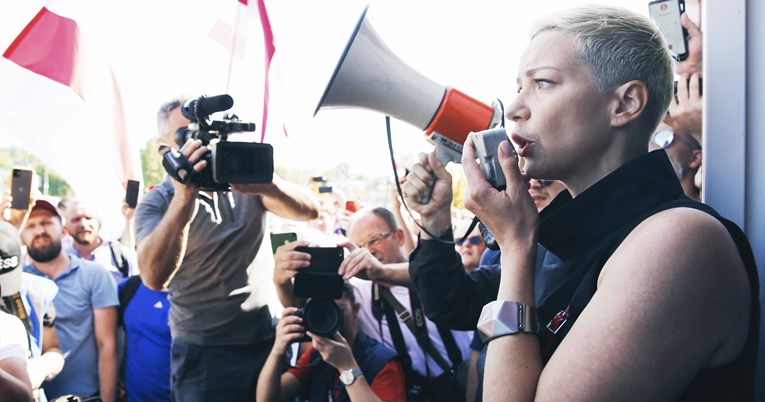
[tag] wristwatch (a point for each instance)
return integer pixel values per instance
(505, 317)
(349, 376)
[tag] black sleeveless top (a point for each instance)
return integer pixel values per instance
(584, 231)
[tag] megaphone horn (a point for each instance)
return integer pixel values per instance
(370, 76)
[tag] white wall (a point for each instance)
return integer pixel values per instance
(734, 126)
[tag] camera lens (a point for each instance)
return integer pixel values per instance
(322, 316)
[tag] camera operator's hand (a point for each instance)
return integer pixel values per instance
(429, 178)
(692, 64)
(288, 330)
(687, 107)
(336, 351)
(361, 264)
(193, 151)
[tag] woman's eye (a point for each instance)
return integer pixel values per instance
(543, 84)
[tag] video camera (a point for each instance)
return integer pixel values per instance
(227, 161)
(321, 282)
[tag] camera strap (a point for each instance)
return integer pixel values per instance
(416, 323)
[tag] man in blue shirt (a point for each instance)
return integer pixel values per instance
(86, 312)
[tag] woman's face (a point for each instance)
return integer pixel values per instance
(562, 125)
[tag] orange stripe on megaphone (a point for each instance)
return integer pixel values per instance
(458, 115)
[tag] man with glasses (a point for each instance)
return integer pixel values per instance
(372, 265)
(471, 248)
(684, 152)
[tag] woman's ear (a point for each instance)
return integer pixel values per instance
(630, 100)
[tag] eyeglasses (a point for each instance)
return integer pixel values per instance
(374, 240)
(472, 240)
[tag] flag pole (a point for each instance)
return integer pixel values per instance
(233, 46)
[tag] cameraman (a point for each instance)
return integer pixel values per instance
(335, 377)
(200, 244)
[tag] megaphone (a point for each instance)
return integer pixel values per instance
(369, 76)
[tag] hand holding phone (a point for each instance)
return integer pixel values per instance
(666, 15)
(21, 187)
(131, 193)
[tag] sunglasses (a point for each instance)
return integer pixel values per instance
(544, 183)
(472, 240)
(664, 138)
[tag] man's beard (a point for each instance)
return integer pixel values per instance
(46, 253)
(84, 238)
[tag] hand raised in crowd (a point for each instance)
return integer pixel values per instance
(687, 108)
(287, 261)
(692, 64)
(288, 330)
(335, 351)
(15, 217)
(428, 191)
(360, 263)
(510, 215)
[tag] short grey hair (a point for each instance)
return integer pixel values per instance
(164, 112)
(618, 45)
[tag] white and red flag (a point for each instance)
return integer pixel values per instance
(61, 101)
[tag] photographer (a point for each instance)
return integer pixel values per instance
(337, 376)
(200, 244)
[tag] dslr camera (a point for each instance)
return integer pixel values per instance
(321, 282)
(227, 161)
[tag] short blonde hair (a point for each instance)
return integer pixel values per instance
(617, 46)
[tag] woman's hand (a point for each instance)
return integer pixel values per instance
(510, 214)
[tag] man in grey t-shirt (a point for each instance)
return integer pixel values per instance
(200, 244)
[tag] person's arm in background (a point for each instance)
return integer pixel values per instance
(50, 363)
(287, 262)
(160, 252)
(451, 296)
(284, 199)
(14, 381)
(127, 238)
(273, 385)
(403, 223)
(105, 327)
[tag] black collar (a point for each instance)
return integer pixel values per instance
(569, 225)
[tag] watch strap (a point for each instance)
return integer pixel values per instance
(353, 373)
(506, 317)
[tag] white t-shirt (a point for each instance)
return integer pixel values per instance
(13, 338)
(369, 324)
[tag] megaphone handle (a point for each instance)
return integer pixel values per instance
(444, 155)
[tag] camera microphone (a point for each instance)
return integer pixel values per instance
(200, 108)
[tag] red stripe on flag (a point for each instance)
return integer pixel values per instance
(268, 38)
(47, 46)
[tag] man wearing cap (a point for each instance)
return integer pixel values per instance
(86, 312)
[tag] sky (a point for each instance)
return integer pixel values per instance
(160, 49)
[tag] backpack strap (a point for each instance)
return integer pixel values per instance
(119, 258)
(125, 295)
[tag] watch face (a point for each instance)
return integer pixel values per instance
(347, 377)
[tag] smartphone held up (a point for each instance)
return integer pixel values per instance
(666, 16)
(21, 187)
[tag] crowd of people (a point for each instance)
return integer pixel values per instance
(600, 287)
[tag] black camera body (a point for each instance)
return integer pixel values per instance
(321, 282)
(227, 161)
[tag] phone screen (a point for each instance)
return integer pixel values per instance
(666, 15)
(131, 194)
(21, 188)
(280, 239)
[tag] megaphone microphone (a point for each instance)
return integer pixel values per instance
(370, 76)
